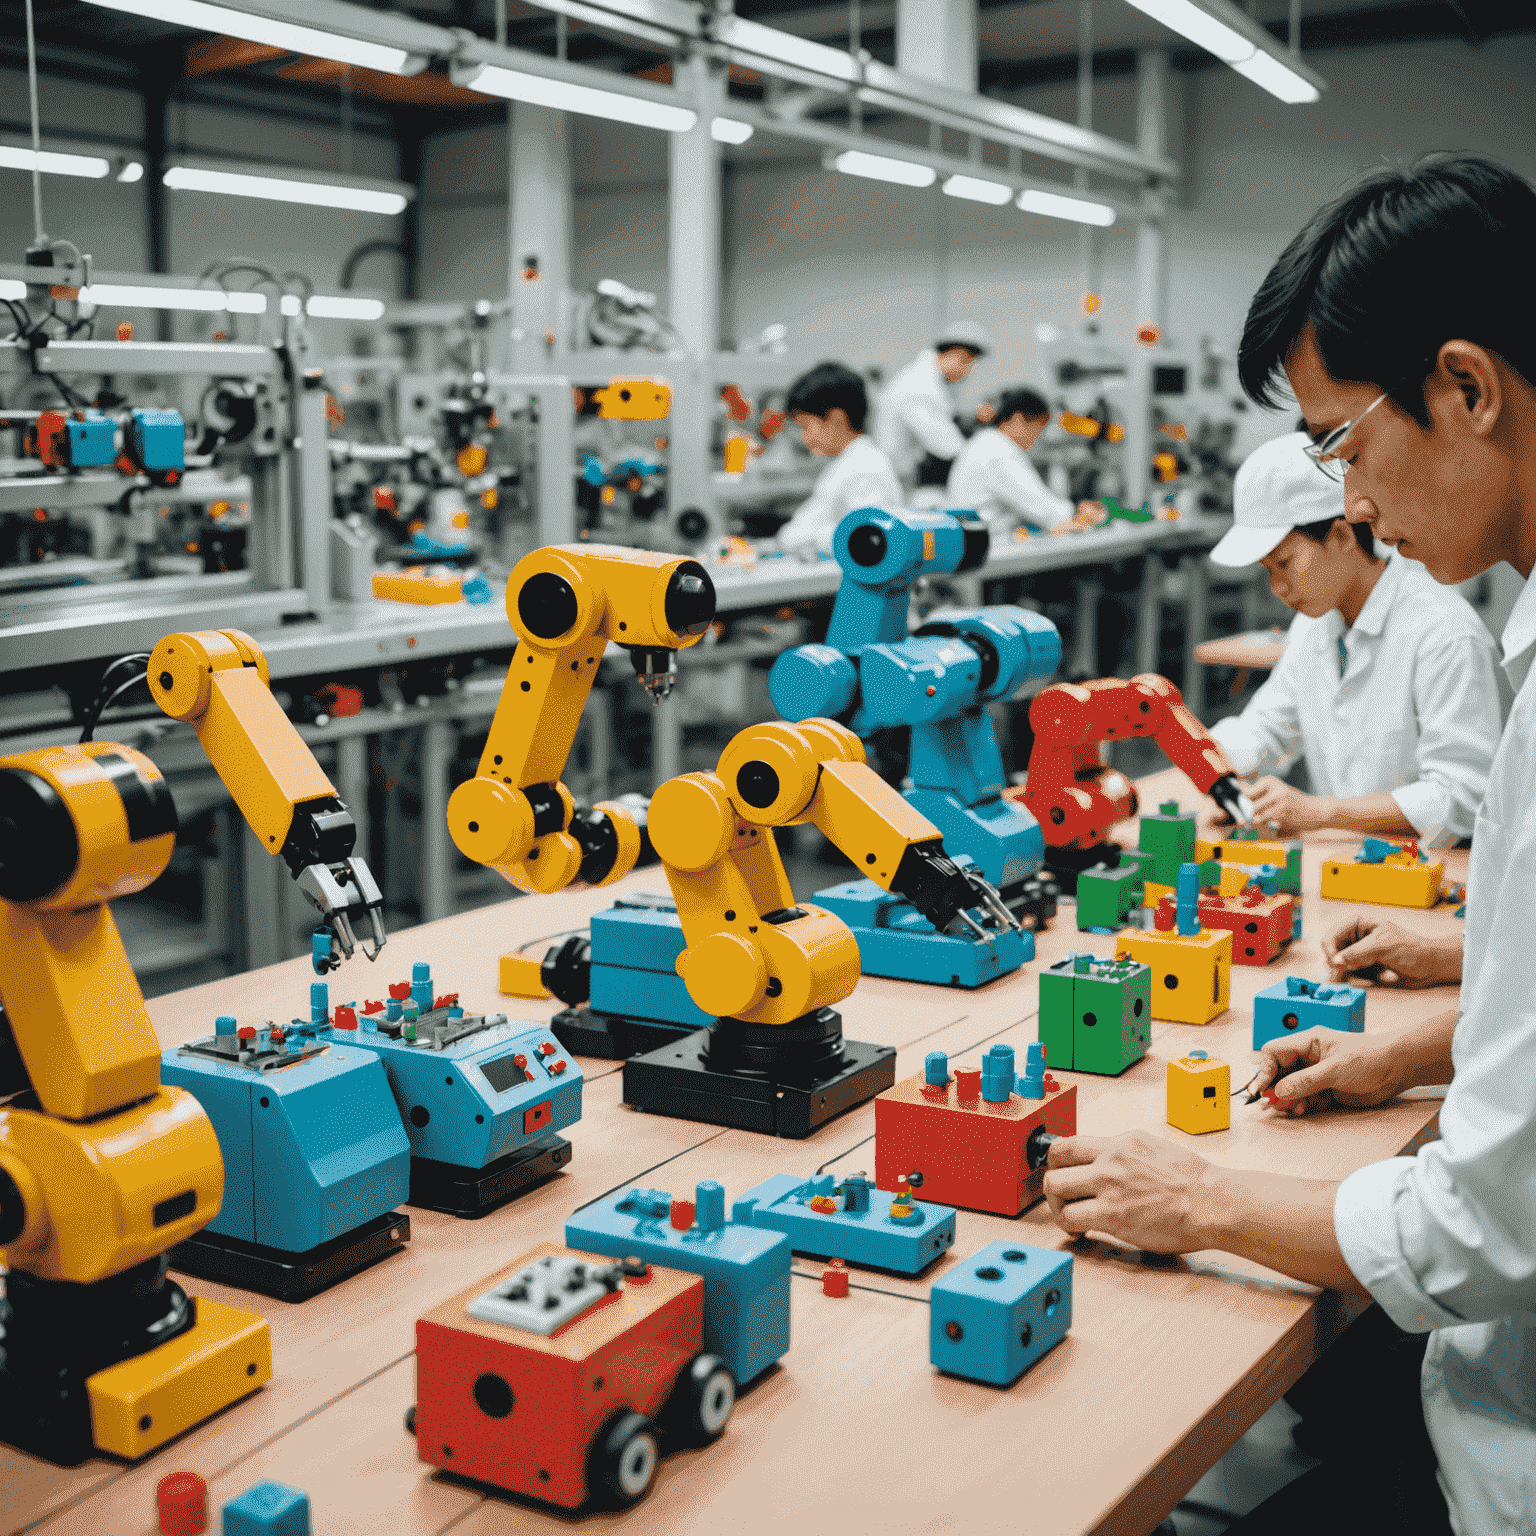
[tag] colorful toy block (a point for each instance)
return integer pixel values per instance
(268, 1509)
(1169, 836)
(1390, 874)
(1095, 1015)
(850, 1219)
(996, 1313)
(1199, 1094)
(1261, 926)
(1247, 848)
(977, 1153)
(745, 1268)
(1191, 973)
(1296, 1004)
(1107, 897)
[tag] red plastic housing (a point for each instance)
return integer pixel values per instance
(1260, 928)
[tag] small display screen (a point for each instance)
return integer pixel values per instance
(503, 1073)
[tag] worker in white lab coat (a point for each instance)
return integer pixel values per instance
(916, 423)
(1387, 682)
(829, 406)
(994, 478)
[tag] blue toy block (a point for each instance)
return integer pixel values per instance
(311, 1139)
(92, 439)
(156, 439)
(1031, 1083)
(268, 1509)
(745, 1268)
(896, 940)
(1373, 850)
(997, 1074)
(1296, 1004)
(1187, 910)
(861, 1230)
(996, 1313)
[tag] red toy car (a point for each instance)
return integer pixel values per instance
(558, 1376)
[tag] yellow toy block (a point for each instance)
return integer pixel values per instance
(1399, 880)
(1199, 1094)
(1191, 973)
(522, 976)
(1152, 893)
(1232, 879)
(417, 585)
(1283, 853)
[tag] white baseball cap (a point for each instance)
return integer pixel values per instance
(1278, 488)
(965, 333)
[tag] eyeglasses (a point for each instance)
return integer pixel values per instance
(1326, 453)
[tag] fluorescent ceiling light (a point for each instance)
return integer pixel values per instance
(133, 171)
(975, 190)
(906, 173)
(1199, 26)
(283, 189)
(1054, 206)
(263, 29)
(10, 289)
(564, 96)
(1265, 70)
(726, 130)
(342, 307)
(217, 301)
(59, 165)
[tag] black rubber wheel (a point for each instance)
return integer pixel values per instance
(702, 1401)
(410, 1419)
(624, 1459)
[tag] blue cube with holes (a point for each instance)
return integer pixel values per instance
(1296, 1004)
(996, 1313)
(268, 1509)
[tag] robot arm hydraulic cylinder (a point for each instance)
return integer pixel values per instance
(218, 681)
(566, 602)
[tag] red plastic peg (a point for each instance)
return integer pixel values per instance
(181, 1500)
(346, 1018)
(967, 1082)
(682, 1214)
(373, 1006)
(834, 1279)
(246, 1032)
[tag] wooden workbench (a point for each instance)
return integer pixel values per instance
(1168, 1362)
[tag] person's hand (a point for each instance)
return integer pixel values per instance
(1382, 952)
(1138, 1188)
(1285, 809)
(1324, 1067)
(1089, 514)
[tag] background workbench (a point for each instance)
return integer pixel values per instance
(1168, 1362)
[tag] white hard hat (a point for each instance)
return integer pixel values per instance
(964, 333)
(1277, 489)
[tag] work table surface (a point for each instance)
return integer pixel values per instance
(1168, 1361)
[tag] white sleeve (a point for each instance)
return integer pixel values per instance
(929, 421)
(1456, 700)
(810, 530)
(1266, 737)
(1016, 484)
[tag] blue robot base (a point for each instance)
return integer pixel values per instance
(895, 940)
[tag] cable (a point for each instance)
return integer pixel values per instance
(37, 145)
(549, 938)
(109, 693)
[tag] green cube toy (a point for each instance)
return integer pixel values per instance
(1106, 897)
(1169, 837)
(1095, 1015)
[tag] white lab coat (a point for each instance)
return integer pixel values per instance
(1446, 1240)
(860, 476)
(993, 477)
(916, 416)
(1415, 713)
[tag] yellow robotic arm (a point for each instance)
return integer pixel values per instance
(566, 602)
(218, 682)
(753, 954)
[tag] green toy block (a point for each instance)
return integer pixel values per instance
(1095, 1015)
(1105, 897)
(1140, 861)
(1169, 837)
(1055, 1021)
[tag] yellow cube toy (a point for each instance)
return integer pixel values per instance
(1191, 973)
(1199, 1094)
(1401, 877)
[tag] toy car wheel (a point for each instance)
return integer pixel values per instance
(410, 1419)
(624, 1458)
(703, 1399)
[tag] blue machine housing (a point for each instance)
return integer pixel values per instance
(156, 439)
(635, 945)
(862, 1229)
(993, 1315)
(745, 1269)
(311, 1139)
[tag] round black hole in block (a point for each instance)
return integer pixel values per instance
(493, 1395)
(1171, 982)
(757, 784)
(1090, 1019)
(989, 1272)
(419, 1116)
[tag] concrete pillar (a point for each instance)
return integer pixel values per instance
(1151, 281)
(936, 40)
(538, 231)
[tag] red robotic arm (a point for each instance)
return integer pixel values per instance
(1073, 794)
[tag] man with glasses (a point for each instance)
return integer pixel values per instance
(1403, 318)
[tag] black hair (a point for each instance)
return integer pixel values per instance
(1320, 530)
(1394, 267)
(828, 387)
(1028, 403)
(963, 346)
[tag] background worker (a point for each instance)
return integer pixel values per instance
(993, 475)
(1387, 683)
(916, 424)
(829, 406)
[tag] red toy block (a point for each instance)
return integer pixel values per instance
(400, 991)
(525, 1411)
(971, 1153)
(447, 1000)
(371, 1006)
(181, 1501)
(346, 1018)
(1261, 926)
(683, 1213)
(834, 1279)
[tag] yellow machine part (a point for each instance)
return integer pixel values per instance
(520, 977)
(217, 680)
(140, 1403)
(1398, 881)
(116, 1190)
(634, 400)
(1191, 973)
(861, 814)
(416, 586)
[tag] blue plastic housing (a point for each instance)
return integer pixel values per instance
(635, 946)
(993, 1315)
(1296, 1004)
(157, 438)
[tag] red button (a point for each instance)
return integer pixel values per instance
(546, 1048)
(182, 1502)
(557, 1067)
(277, 1037)
(246, 1032)
(682, 1214)
(519, 1060)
